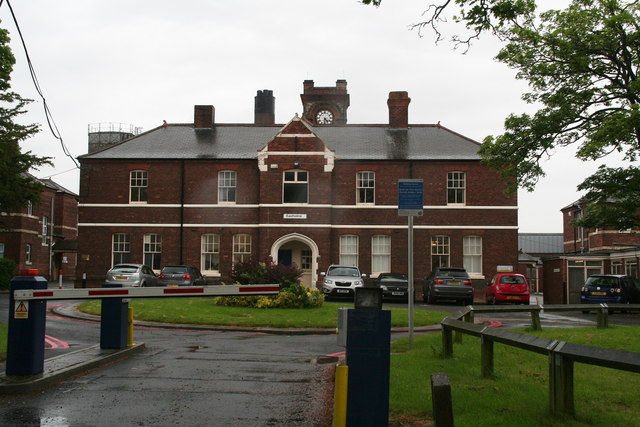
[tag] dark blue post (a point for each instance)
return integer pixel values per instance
(114, 323)
(25, 341)
(368, 357)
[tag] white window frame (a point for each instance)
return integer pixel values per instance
(29, 208)
(306, 259)
(349, 244)
(1, 250)
(210, 253)
(472, 255)
(300, 178)
(120, 245)
(440, 250)
(380, 253)
(456, 188)
(366, 188)
(227, 186)
(152, 251)
(45, 230)
(138, 186)
(241, 248)
(27, 254)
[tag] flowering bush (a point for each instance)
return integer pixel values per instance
(293, 296)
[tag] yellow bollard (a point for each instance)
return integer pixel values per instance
(340, 396)
(130, 341)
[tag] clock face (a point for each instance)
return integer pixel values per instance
(324, 117)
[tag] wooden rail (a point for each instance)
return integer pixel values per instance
(561, 355)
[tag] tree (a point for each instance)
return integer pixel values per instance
(17, 186)
(581, 64)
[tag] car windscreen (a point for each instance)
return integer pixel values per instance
(454, 273)
(174, 270)
(124, 269)
(394, 278)
(512, 279)
(343, 271)
(601, 281)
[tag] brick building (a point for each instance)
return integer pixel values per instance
(313, 192)
(43, 236)
(586, 252)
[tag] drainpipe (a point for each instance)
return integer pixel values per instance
(181, 244)
(50, 245)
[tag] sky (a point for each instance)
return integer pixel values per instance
(141, 62)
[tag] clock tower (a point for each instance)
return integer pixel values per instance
(325, 106)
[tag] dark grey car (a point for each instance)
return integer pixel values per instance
(451, 283)
(181, 275)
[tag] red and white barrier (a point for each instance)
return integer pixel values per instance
(155, 292)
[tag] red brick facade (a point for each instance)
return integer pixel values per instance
(183, 205)
(43, 236)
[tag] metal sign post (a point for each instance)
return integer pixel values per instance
(410, 204)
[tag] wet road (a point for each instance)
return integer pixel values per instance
(195, 378)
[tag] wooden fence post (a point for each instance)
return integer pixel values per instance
(486, 356)
(447, 342)
(603, 316)
(441, 404)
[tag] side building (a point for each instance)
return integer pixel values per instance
(586, 252)
(43, 236)
(314, 191)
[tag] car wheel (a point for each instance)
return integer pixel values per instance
(468, 301)
(585, 311)
(492, 301)
(430, 299)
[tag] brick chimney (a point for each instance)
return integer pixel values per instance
(398, 103)
(264, 108)
(203, 116)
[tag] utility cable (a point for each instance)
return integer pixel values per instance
(50, 121)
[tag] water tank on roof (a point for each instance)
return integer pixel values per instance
(104, 135)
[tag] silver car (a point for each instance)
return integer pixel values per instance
(131, 275)
(342, 281)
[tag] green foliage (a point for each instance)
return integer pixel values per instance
(612, 198)
(581, 65)
(293, 296)
(7, 272)
(253, 272)
(16, 185)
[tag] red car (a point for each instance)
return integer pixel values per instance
(508, 287)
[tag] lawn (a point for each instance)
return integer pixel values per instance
(204, 311)
(518, 394)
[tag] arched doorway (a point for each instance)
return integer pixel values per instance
(300, 250)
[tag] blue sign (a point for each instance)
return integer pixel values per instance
(410, 197)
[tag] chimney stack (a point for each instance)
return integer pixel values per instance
(264, 108)
(204, 116)
(398, 103)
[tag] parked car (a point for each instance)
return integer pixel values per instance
(135, 275)
(181, 275)
(452, 283)
(395, 286)
(508, 287)
(341, 281)
(610, 289)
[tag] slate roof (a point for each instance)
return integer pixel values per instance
(243, 141)
(541, 243)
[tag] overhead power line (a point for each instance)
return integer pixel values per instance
(50, 121)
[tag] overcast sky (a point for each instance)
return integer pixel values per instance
(142, 62)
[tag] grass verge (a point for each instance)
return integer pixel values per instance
(204, 311)
(518, 394)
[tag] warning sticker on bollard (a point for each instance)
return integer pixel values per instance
(155, 292)
(22, 310)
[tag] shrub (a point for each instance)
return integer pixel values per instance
(7, 272)
(293, 296)
(265, 272)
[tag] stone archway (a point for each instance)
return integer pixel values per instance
(301, 250)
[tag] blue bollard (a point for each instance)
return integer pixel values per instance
(114, 322)
(27, 319)
(368, 347)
